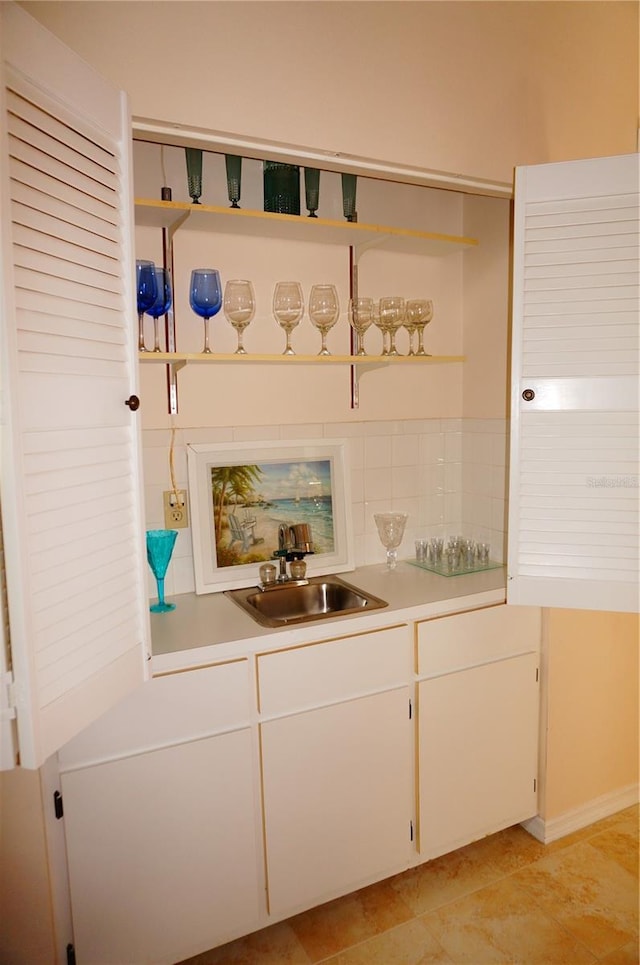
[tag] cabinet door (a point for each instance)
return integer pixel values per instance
(162, 852)
(69, 470)
(337, 798)
(478, 737)
(573, 507)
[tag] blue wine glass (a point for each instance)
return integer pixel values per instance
(161, 305)
(205, 297)
(146, 292)
(160, 543)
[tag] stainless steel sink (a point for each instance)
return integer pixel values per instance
(316, 599)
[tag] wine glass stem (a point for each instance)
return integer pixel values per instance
(420, 350)
(141, 345)
(160, 582)
(392, 343)
(206, 349)
(323, 348)
(240, 348)
(287, 349)
(156, 335)
(392, 559)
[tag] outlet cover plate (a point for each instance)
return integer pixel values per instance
(175, 509)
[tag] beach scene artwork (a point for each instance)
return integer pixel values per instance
(251, 501)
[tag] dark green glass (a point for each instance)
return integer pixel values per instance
(281, 187)
(312, 190)
(349, 197)
(194, 173)
(234, 175)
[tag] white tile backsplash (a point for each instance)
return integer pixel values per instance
(448, 474)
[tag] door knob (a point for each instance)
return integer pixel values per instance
(133, 402)
(528, 395)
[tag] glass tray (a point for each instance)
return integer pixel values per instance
(443, 570)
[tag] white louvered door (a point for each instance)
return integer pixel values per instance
(70, 470)
(573, 517)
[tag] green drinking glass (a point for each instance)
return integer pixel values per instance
(233, 164)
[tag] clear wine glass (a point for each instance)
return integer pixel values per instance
(360, 319)
(324, 309)
(288, 308)
(412, 317)
(239, 307)
(392, 312)
(205, 298)
(160, 543)
(391, 530)
(381, 324)
(161, 305)
(145, 294)
(424, 314)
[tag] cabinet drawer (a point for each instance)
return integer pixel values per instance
(166, 710)
(466, 639)
(322, 673)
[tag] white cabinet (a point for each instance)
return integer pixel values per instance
(337, 779)
(477, 725)
(162, 844)
(216, 801)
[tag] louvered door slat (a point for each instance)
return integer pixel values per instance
(574, 518)
(52, 196)
(71, 477)
(23, 111)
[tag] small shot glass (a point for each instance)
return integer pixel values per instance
(484, 552)
(422, 546)
(436, 545)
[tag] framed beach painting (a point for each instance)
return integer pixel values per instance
(242, 493)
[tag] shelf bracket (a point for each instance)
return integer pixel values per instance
(360, 249)
(169, 321)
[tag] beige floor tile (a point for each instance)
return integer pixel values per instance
(276, 945)
(446, 878)
(620, 845)
(337, 925)
(588, 893)
(627, 955)
(511, 849)
(408, 944)
(500, 924)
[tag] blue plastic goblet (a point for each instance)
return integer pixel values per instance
(146, 291)
(160, 543)
(205, 297)
(162, 303)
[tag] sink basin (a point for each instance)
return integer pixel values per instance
(291, 603)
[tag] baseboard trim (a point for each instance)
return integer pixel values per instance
(578, 818)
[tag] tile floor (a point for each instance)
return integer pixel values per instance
(505, 899)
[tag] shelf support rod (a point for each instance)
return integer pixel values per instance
(169, 320)
(354, 381)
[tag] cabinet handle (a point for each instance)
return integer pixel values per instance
(528, 395)
(133, 402)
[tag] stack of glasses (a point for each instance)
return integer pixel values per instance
(455, 555)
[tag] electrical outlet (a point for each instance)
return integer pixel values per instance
(175, 509)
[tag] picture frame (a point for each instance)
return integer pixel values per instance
(241, 493)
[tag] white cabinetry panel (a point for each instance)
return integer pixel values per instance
(573, 527)
(162, 850)
(71, 492)
(478, 739)
(337, 798)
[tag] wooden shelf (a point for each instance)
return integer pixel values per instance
(203, 217)
(180, 359)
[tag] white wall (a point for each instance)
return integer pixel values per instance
(468, 87)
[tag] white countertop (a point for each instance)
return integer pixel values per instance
(211, 628)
